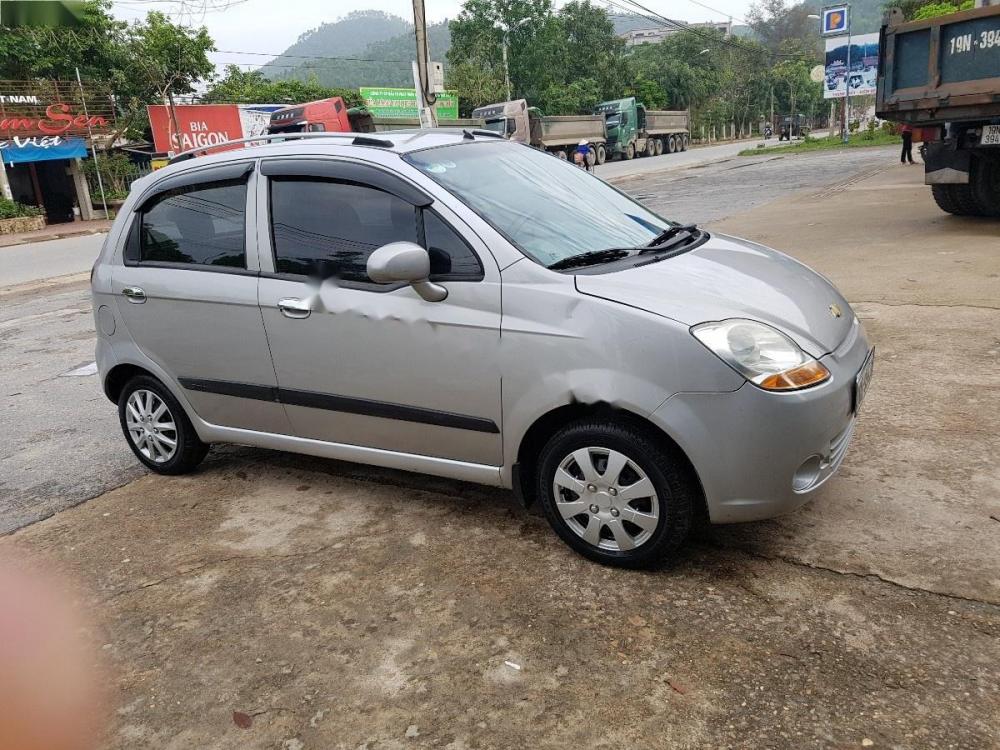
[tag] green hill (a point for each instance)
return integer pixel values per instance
(384, 58)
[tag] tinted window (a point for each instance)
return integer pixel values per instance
(451, 258)
(200, 224)
(330, 228)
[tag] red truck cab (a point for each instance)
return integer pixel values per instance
(324, 115)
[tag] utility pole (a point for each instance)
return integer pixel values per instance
(421, 74)
(845, 132)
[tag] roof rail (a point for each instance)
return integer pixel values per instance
(367, 140)
(488, 133)
(191, 153)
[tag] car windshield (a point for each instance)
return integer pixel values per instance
(549, 208)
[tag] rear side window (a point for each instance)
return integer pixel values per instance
(330, 228)
(201, 224)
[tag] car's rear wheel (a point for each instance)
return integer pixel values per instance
(615, 494)
(157, 429)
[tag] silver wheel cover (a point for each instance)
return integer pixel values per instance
(151, 426)
(606, 499)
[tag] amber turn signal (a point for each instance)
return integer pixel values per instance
(803, 376)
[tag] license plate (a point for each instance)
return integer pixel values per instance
(863, 379)
(991, 135)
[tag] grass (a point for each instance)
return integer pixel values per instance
(858, 140)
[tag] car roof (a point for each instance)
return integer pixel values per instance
(316, 144)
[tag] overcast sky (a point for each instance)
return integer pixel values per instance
(272, 25)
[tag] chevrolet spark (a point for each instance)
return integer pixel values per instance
(459, 305)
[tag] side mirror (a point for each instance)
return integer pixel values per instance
(406, 262)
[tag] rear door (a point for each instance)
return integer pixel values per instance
(370, 364)
(187, 291)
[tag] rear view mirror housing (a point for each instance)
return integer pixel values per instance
(405, 262)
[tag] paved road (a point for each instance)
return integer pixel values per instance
(42, 260)
(695, 156)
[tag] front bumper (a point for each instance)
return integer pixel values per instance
(760, 454)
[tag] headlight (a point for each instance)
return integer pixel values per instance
(764, 356)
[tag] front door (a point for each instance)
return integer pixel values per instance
(376, 365)
(187, 291)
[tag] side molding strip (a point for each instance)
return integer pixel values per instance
(345, 404)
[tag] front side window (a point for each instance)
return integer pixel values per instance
(547, 207)
(328, 229)
(198, 224)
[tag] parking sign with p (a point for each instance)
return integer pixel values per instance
(835, 20)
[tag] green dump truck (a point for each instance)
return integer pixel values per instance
(632, 130)
(363, 121)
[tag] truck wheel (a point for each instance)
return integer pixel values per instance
(650, 147)
(658, 147)
(684, 142)
(602, 154)
(560, 154)
(672, 144)
(985, 184)
(944, 198)
(591, 156)
(956, 199)
(629, 151)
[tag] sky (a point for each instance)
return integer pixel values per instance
(270, 26)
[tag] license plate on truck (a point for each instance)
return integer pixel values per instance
(991, 135)
(863, 379)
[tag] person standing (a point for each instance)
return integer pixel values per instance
(906, 155)
(582, 155)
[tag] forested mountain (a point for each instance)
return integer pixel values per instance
(383, 44)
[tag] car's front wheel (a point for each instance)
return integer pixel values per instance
(616, 494)
(157, 429)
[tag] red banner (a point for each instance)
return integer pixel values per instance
(196, 126)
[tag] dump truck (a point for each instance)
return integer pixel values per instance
(635, 131)
(942, 77)
(333, 116)
(559, 135)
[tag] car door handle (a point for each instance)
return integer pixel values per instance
(134, 294)
(293, 307)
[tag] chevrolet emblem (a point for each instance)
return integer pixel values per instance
(835, 310)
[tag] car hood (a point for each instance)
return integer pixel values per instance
(728, 277)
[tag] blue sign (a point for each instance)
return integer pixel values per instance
(835, 20)
(19, 150)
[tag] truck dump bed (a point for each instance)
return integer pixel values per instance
(665, 121)
(944, 69)
(568, 130)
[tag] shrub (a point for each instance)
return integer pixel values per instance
(13, 210)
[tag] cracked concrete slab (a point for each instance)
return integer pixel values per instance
(352, 637)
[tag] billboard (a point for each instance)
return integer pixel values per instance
(388, 102)
(862, 76)
(197, 125)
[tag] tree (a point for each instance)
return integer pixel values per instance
(775, 24)
(562, 62)
(170, 59)
(476, 85)
(252, 87)
(55, 53)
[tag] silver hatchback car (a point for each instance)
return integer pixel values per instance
(459, 305)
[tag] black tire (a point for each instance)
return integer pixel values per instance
(602, 153)
(629, 152)
(684, 142)
(944, 198)
(189, 450)
(658, 147)
(958, 200)
(677, 492)
(672, 145)
(984, 183)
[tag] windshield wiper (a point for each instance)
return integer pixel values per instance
(590, 258)
(671, 232)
